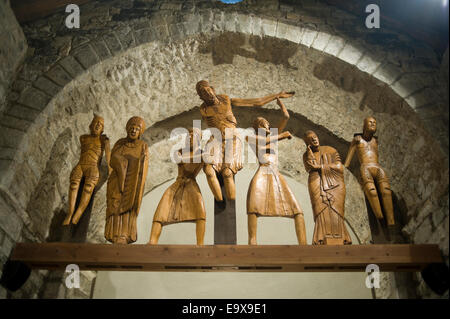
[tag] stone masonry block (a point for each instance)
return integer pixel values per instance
(257, 26)
(269, 27)
(161, 32)
(86, 56)
(34, 98)
(112, 42)
(206, 21)
(144, 36)
(177, 31)
(58, 75)
(7, 152)
(7, 246)
(410, 83)
(14, 122)
(10, 138)
(335, 45)
(218, 22)
(172, 6)
(191, 24)
(72, 66)
(141, 24)
(289, 32)
(387, 73)
(230, 21)
(321, 41)
(101, 49)
(308, 37)
(244, 24)
(46, 85)
(126, 37)
(422, 98)
(368, 63)
(350, 54)
(22, 112)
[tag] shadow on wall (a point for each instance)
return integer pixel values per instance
(377, 96)
(406, 283)
(43, 196)
(226, 46)
(76, 233)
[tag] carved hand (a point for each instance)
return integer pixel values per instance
(287, 134)
(284, 94)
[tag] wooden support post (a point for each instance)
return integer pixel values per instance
(224, 219)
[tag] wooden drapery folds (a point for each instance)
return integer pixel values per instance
(129, 163)
(268, 192)
(92, 147)
(372, 174)
(327, 192)
(183, 201)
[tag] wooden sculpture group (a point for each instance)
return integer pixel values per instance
(268, 193)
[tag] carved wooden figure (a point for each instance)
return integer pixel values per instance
(182, 201)
(268, 192)
(129, 163)
(92, 147)
(372, 174)
(327, 192)
(216, 110)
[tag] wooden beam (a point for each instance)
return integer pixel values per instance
(279, 258)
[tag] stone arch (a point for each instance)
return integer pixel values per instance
(415, 83)
(35, 106)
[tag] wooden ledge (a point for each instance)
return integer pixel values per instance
(279, 258)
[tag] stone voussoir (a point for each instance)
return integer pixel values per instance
(34, 98)
(58, 75)
(48, 86)
(86, 56)
(72, 66)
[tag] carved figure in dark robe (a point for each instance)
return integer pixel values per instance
(129, 163)
(374, 178)
(225, 153)
(92, 147)
(183, 201)
(327, 192)
(269, 194)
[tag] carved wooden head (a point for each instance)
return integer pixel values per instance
(206, 92)
(97, 125)
(135, 127)
(311, 139)
(261, 123)
(370, 125)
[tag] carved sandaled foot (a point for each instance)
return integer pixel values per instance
(67, 221)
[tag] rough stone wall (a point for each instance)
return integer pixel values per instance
(149, 63)
(12, 50)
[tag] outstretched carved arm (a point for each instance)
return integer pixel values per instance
(260, 101)
(268, 140)
(350, 154)
(285, 118)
